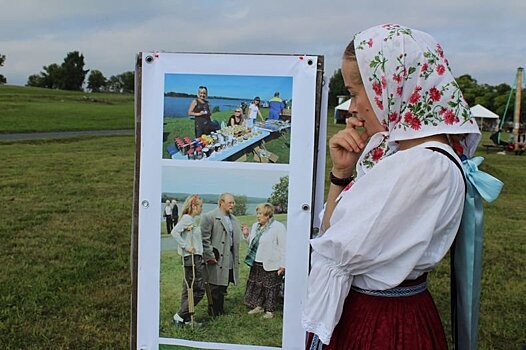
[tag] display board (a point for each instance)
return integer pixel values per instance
(195, 136)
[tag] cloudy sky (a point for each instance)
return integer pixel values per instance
(239, 181)
(483, 38)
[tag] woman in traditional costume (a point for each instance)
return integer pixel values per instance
(384, 230)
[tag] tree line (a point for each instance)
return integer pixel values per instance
(494, 98)
(71, 75)
(278, 198)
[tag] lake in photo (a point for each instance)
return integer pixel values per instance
(177, 107)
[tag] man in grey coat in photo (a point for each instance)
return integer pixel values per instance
(221, 232)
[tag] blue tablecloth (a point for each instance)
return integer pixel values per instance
(229, 151)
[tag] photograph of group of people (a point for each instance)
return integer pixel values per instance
(224, 117)
(244, 114)
(223, 261)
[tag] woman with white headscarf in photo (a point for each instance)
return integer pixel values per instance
(384, 230)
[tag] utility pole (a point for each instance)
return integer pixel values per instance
(516, 119)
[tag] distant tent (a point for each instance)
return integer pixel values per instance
(486, 119)
(341, 112)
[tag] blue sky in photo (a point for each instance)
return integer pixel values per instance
(236, 86)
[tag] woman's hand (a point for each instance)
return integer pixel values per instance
(191, 250)
(244, 228)
(281, 271)
(345, 148)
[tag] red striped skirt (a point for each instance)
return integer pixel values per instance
(380, 322)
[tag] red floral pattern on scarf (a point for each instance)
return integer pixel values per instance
(369, 160)
(413, 92)
(375, 155)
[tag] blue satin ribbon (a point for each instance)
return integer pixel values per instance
(467, 253)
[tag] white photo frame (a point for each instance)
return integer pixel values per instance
(154, 170)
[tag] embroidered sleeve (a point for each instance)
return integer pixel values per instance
(395, 219)
(328, 284)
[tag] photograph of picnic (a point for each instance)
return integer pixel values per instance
(223, 257)
(227, 118)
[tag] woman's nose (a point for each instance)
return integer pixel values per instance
(352, 107)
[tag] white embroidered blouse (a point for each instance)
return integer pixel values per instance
(395, 223)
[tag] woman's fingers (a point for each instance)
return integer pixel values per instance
(360, 138)
(353, 122)
(349, 138)
(347, 141)
(346, 145)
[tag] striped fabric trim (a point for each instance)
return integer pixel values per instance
(316, 344)
(394, 292)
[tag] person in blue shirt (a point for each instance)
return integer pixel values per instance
(276, 105)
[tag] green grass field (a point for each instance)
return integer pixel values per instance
(29, 109)
(65, 281)
(65, 242)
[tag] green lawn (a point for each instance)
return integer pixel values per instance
(65, 234)
(247, 329)
(65, 240)
(29, 109)
(65, 282)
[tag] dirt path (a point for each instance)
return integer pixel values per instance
(63, 134)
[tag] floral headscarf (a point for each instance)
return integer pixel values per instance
(410, 86)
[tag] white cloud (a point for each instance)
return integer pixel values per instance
(482, 40)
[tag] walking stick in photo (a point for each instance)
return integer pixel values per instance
(191, 305)
(190, 290)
